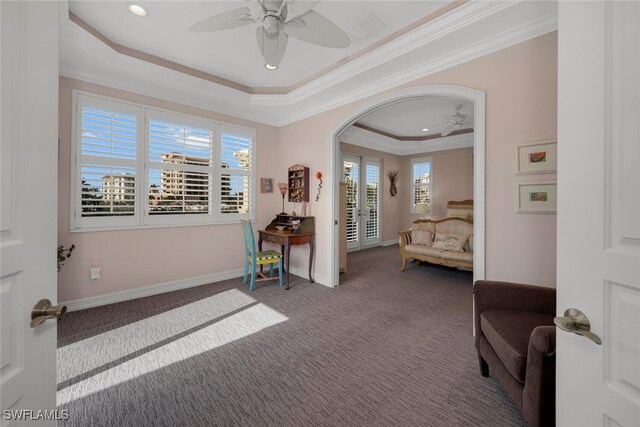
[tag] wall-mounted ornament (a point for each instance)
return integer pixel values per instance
(393, 178)
(319, 178)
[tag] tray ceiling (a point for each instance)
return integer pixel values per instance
(233, 54)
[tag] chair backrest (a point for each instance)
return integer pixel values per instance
(249, 240)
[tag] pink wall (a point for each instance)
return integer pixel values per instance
(391, 206)
(520, 83)
(141, 257)
(452, 172)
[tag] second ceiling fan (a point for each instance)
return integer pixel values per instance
(277, 20)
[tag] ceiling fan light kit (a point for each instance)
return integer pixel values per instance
(278, 20)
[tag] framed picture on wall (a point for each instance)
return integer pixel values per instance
(266, 185)
(537, 197)
(537, 157)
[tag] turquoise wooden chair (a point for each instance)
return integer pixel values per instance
(258, 258)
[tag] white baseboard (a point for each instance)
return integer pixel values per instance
(304, 273)
(390, 242)
(146, 291)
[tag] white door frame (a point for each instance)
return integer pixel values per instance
(335, 165)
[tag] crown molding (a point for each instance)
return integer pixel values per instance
(530, 30)
(363, 138)
(447, 24)
(391, 65)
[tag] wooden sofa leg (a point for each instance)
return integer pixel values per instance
(484, 367)
(403, 263)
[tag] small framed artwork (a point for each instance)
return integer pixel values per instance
(537, 157)
(266, 185)
(537, 197)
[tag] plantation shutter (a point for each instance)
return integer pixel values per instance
(421, 182)
(179, 168)
(351, 174)
(237, 180)
(106, 163)
(372, 173)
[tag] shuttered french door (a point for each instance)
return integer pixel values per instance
(362, 176)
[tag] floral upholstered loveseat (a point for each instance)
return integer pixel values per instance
(448, 241)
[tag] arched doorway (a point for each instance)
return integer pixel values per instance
(401, 95)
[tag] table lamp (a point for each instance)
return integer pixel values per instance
(283, 187)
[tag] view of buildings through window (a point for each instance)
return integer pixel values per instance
(181, 176)
(421, 183)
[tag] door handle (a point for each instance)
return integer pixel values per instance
(43, 310)
(577, 322)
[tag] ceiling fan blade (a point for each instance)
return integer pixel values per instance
(223, 21)
(297, 8)
(447, 130)
(317, 30)
(273, 46)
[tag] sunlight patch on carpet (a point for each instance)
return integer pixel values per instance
(232, 328)
(118, 343)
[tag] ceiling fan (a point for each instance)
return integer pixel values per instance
(456, 122)
(277, 20)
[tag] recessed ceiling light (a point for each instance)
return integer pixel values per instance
(136, 9)
(425, 130)
(270, 67)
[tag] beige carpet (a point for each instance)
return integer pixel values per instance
(383, 349)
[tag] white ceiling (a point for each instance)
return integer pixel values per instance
(233, 54)
(408, 118)
(471, 30)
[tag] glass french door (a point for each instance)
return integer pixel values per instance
(362, 176)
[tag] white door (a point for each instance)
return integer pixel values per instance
(371, 209)
(28, 195)
(362, 176)
(599, 212)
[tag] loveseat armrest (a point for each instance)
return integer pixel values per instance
(404, 238)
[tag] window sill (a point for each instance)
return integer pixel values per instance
(152, 226)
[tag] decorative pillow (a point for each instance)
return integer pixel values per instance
(460, 213)
(421, 237)
(450, 242)
(471, 243)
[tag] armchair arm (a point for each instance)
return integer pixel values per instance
(543, 340)
(404, 238)
(538, 396)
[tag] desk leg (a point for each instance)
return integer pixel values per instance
(288, 246)
(260, 247)
(285, 260)
(312, 249)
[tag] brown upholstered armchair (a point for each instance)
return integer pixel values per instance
(516, 342)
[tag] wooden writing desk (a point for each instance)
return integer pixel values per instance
(300, 232)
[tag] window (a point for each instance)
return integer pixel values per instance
(137, 166)
(421, 183)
